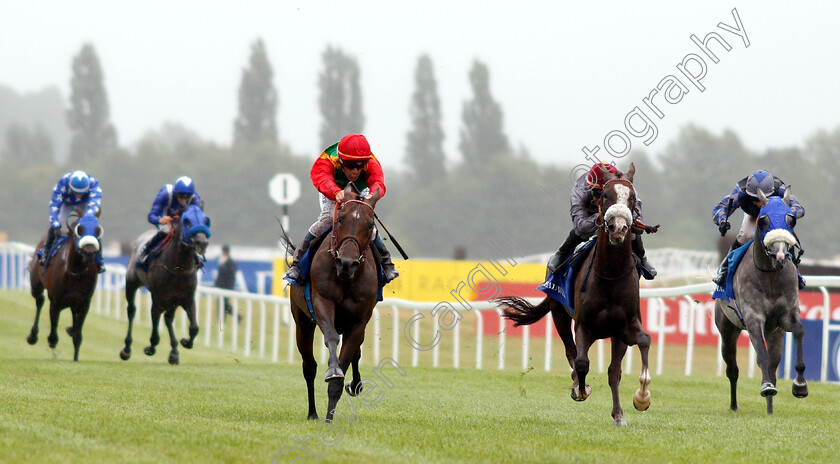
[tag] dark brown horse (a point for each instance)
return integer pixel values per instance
(171, 279)
(70, 279)
(606, 299)
(344, 288)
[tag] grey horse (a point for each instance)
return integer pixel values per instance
(767, 294)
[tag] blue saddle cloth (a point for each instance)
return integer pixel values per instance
(560, 285)
(54, 250)
(727, 292)
(306, 265)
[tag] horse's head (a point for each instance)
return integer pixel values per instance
(618, 200)
(195, 229)
(87, 233)
(776, 221)
(352, 231)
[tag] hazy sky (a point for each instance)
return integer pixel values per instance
(565, 73)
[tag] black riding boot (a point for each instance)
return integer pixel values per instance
(720, 278)
(52, 234)
(388, 267)
(145, 255)
(564, 251)
(648, 271)
(293, 272)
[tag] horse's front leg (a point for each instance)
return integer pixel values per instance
(131, 286)
(38, 294)
(619, 349)
(52, 338)
(155, 337)
(190, 309)
(79, 315)
(583, 340)
(350, 349)
(755, 326)
(641, 399)
(355, 387)
(800, 385)
(775, 342)
(325, 313)
(169, 319)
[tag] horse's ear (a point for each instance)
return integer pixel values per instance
(630, 172)
(787, 196)
(762, 199)
(373, 198)
(350, 189)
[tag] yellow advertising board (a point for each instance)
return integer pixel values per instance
(442, 280)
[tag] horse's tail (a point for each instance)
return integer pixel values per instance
(520, 311)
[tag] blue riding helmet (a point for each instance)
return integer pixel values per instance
(184, 185)
(759, 180)
(79, 182)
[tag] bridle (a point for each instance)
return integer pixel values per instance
(335, 244)
(600, 222)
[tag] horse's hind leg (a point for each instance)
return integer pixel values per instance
(38, 294)
(52, 338)
(169, 318)
(641, 399)
(130, 290)
(190, 309)
(154, 339)
(775, 341)
(304, 336)
(619, 349)
(729, 345)
(800, 385)
(355, 387)
(563, 325)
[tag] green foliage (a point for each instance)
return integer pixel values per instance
(25, 148)
(483, 140)
(340, 100)
(44, 108)
(424, 145)
(89, 115)
(257, 101)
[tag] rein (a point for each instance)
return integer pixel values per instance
(335, 245)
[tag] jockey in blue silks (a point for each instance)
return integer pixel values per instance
(171, 201)
(745, 196)
(75, 192)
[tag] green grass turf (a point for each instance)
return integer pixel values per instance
(219, 407)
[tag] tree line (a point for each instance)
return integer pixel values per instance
(494, 202)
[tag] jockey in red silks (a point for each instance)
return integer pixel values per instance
(584, 211)
(745, 196)
(349, 160)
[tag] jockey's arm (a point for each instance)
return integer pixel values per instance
(157, 212)
(584, 223)
(323, 178)
(794, 203)
(55, 205)
(94, 198)
(721, 212)
(376, 177)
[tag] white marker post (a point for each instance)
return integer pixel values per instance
(284, 189)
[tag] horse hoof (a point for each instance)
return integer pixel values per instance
(620, 422)
(125, 354)
(150, 350)
(578, 396)
(70, 331)
(768, 389)
(641, 402)
(32, 339)
(333, 373)
(800, 391)
(186, 343)
(173, 359)
(313, 416)
(348, 387)
(52, 342)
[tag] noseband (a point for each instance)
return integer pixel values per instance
(600, 222)
(336, 245)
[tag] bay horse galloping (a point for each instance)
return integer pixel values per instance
(606, 299)
(171, 279)
(344, 287)
(767, 294)
(70, 279)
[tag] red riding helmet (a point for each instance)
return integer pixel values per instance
(595, 176)
(354, 147)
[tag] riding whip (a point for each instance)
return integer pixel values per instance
(391, 237)
(285, 237)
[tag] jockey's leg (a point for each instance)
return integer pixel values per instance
(388, 267)
(564, 251)
(294, 269)
(720, 278)
(648, 271)
(145, 254)
(52, 234)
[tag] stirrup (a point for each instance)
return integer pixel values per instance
(293, 273)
